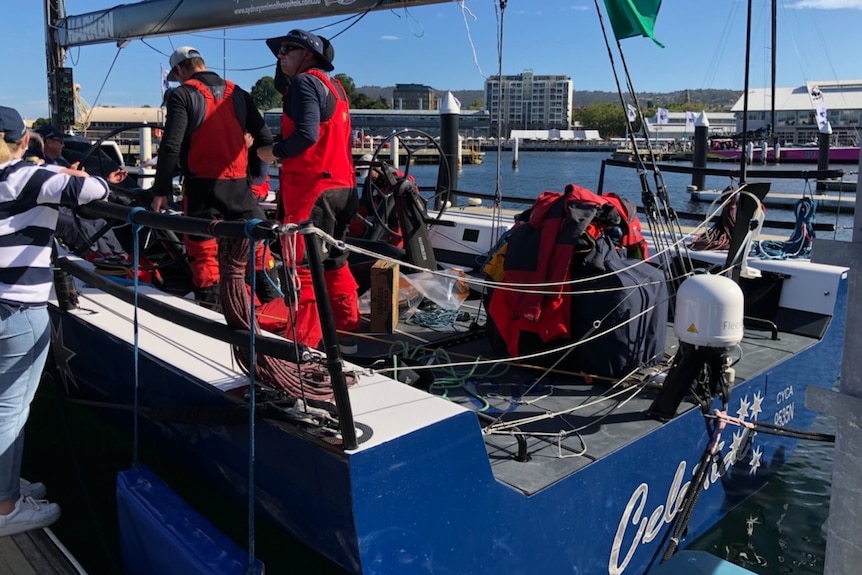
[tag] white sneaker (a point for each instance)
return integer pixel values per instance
(29, 514)
(34, 490)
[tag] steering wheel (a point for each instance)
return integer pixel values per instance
(98, 143)
(382, 178)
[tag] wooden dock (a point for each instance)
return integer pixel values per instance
(36, 552)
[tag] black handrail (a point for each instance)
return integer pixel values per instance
(272, 346)
(266, 230)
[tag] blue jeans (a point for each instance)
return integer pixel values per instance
(24, 341)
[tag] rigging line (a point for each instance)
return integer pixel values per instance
(497, 211)
(583, 341)
(647, 197)
(464, 12)
(102, 87)
(136, 336)
(411, 20)
(252, 404)
(356, 20)
(157, 27)
(504, 425)
(724, 39)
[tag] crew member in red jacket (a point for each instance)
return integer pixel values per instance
(204, 135)
(316, 178)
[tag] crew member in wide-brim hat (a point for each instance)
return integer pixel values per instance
(315, 44)
(316, 180)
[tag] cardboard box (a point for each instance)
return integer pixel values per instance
(384, 296)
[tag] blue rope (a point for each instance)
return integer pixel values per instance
(799, 243)
(136, 262)
(249, 227)
(437, 318)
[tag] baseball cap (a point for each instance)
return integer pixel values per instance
(11, 124)
(49, 132)
(180, 55)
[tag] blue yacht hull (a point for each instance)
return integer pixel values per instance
(429, 502)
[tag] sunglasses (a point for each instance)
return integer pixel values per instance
(288, 48)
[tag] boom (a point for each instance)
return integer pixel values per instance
(162, 17)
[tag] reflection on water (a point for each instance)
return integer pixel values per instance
(782, 528)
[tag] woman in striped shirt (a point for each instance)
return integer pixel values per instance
(30, 195)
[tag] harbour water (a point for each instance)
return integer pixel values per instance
(778, 531)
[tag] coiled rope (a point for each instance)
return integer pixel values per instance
(307, 380)
(799, 244)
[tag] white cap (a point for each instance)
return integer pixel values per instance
(180, 55)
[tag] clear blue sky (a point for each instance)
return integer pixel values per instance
(818, 40)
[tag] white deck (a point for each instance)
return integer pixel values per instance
(391, 408)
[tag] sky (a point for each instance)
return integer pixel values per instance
(453, 46)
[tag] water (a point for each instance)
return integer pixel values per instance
(778, 531)
(538, 171)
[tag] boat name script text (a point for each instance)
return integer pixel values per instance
(649, 526)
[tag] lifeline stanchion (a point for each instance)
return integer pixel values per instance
(334, 362)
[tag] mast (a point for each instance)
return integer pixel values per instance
(771, 133)
(60, 86)
(744, 162)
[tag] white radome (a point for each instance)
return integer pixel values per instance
(709, 311)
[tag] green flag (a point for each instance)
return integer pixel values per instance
(633, 18)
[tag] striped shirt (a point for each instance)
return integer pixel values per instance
(29, 197)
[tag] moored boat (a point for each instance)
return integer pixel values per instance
(449, 456)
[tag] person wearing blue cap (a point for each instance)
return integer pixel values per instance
(31, 193)
(316, 177)
(53, 144)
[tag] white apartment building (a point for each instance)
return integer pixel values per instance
(528, 101)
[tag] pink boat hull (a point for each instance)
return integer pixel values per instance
(796, 155)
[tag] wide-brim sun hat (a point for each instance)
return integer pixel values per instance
(322, 50)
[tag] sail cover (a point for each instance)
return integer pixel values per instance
(162, 17)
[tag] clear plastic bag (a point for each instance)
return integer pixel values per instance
(447, 289)
(409, 299)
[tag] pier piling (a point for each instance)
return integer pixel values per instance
(844, 526)
(701, 143)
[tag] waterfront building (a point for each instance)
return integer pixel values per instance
(93, 123)
(528, 101)
(414, 97)
(796, 109)
(721, 124)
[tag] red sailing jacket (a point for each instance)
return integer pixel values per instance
(328, 163)
(217, 147)
(556, 231)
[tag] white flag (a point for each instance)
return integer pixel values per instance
(165, 84)
(689, 120)
(661, 116)
(821, 117)
(816, 94)
(631, 112)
